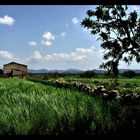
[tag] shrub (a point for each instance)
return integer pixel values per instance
(89, 74)
(1, 71)
(129, 74)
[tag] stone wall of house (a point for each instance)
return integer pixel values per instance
(15, 67)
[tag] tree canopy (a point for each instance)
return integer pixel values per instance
(119, 32)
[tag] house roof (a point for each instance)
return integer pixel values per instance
(15, 63)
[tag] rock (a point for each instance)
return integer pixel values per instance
(113, 94)
(128, 96)
(138, 97)
(135, 99)
(100, 87)
(118, 98)
(117, 84)
(104, 95)
(127, 99)
(103, 90)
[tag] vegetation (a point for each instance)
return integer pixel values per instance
(33, 108)
(56, 104)
(124, 82)
(119, 33)
(1, 71)
(129, 74)
(88, 74)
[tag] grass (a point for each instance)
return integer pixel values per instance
(126, 85)
(32, 108)
(122, 80)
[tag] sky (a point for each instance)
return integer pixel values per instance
(50, 37)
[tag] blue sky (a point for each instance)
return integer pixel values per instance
(49, 37)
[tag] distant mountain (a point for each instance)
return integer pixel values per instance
(74, 71)
(71, 71)
(120, 71)
(99, 71)
(77, 71)
(123, 70)
(38, 71)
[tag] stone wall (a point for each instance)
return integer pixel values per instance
(15, 68)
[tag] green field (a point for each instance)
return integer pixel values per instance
(33, 108)
(126, 85)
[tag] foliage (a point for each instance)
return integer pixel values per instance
(119, 33)
(129, 74)
(1, 71)
(88, 74)
(32, 108)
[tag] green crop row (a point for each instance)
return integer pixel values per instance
(33, 108)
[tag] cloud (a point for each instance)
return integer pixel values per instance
(75, 20)
(32, 43)
(47, 38)
(81, 58)
(5, 55)
(63, 34)
(7, 20)
(35, 57)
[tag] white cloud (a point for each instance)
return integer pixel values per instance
(7, 20)
(5, 55)
(81, 58)
(48, 37)
(63, 34)
(75, 20)
(35, 57)
(32, 43)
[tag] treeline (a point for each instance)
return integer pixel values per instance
(86, 74)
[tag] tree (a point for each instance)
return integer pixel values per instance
(1, 71)
(129, 74)
(119, 32)
(89, 74)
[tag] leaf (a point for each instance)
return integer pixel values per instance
(125, 60)
(138, 59)
(104, 35)
(118, 35)
(114, 12)
(90, 13)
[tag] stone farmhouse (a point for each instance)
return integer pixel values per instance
(15, 69)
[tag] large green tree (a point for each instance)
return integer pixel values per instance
(119, 33)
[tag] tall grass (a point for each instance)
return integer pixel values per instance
(32, 108)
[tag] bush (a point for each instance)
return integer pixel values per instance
(1, 71)
(89, 74)
(129, 74)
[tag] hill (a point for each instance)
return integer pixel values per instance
(77, 71)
